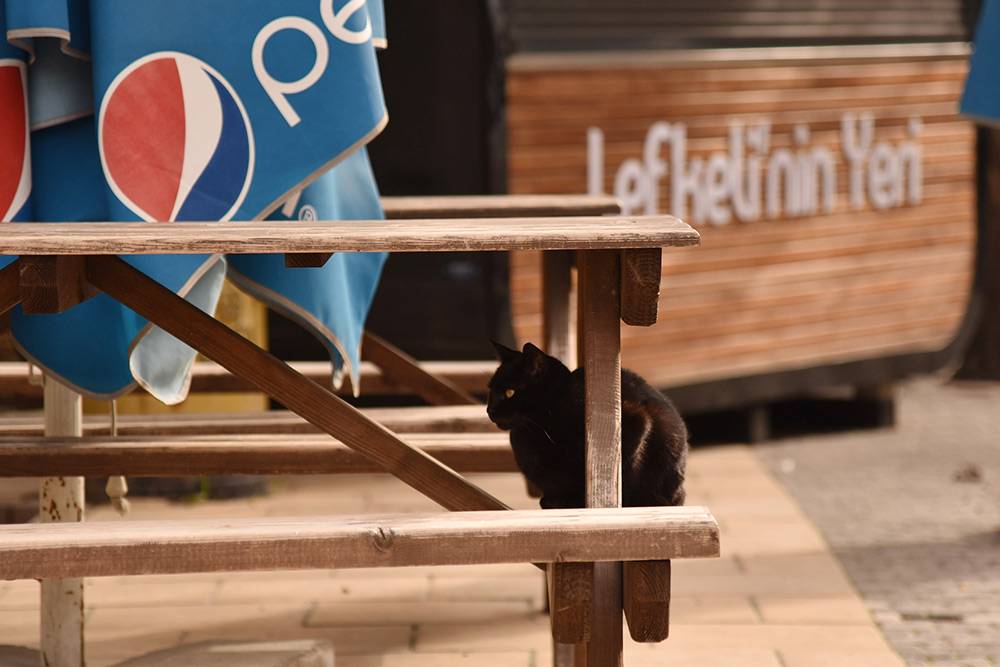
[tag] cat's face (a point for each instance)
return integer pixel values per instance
(518, 384)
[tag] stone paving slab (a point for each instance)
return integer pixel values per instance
(776, 598)
(305, 653)
(913, 514)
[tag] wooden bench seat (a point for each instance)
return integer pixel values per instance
(471, 376)
(430, 419)
(34, 551)
(246, 454)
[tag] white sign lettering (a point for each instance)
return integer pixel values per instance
(750, 181)
(336, 24)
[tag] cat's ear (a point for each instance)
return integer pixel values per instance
(530, 350)
(504, 353)
(537, 360)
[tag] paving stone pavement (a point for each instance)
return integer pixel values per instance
(913, 514)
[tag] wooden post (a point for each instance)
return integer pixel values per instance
(61, 500)
(557, 323)
(600, 350)
(568, 591)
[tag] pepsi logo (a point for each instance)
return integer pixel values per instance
(15, 153)
(175, 140)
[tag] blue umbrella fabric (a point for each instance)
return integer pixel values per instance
(981, 98)
(153, 112)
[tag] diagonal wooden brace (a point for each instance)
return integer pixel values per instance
(405, 370)
(277, 379)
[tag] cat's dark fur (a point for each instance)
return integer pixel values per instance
(545, 417)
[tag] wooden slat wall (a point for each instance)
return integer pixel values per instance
(774, 294)
(546, 25)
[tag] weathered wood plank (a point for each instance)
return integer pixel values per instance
(646, 595)
(449, 419)
(640, 286)
(498, 206)
(156, 547)
(406, 371)
(469, 376)
(272, 376)
(567, 233)
(308, 454)
(600, 308)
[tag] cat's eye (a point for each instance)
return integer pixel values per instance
(509, 393)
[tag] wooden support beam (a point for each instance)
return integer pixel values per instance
(308, 454)
(272, 376)
(557, 321)
(600, 309)
(61, 499)
(116, 548)
(52, 284)
(640, 285)
(405, 370)
(307, 260)
(10, 286)
(571, 598)
(646, 591)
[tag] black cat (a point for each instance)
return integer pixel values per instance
(538, 399)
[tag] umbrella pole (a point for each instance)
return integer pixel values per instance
(62, 500)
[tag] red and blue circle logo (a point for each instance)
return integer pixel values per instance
(15, 151)
(176, 142)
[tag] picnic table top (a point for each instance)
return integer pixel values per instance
(416, 235)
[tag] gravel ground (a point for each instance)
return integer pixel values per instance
(913, 514)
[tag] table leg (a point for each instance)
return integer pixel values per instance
(600, 351)
(62, 499)
(557, 332)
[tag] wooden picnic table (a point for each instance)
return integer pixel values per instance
(618, 261)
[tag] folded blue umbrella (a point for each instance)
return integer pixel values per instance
(153, 112)
(981, 97)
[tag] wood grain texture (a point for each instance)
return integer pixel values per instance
(566, 233)
(459, 538)
(781, 294)
(51, 284)
(206, 376)
(62, 499)
(451, 419)
(10, 286)
(275, 378)
(571, 601)
(498, 206)
(307, 454)
(406, 371)
(600, 352)
(646, 598)
(307, 260)
(557, 320)
(641, 286)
